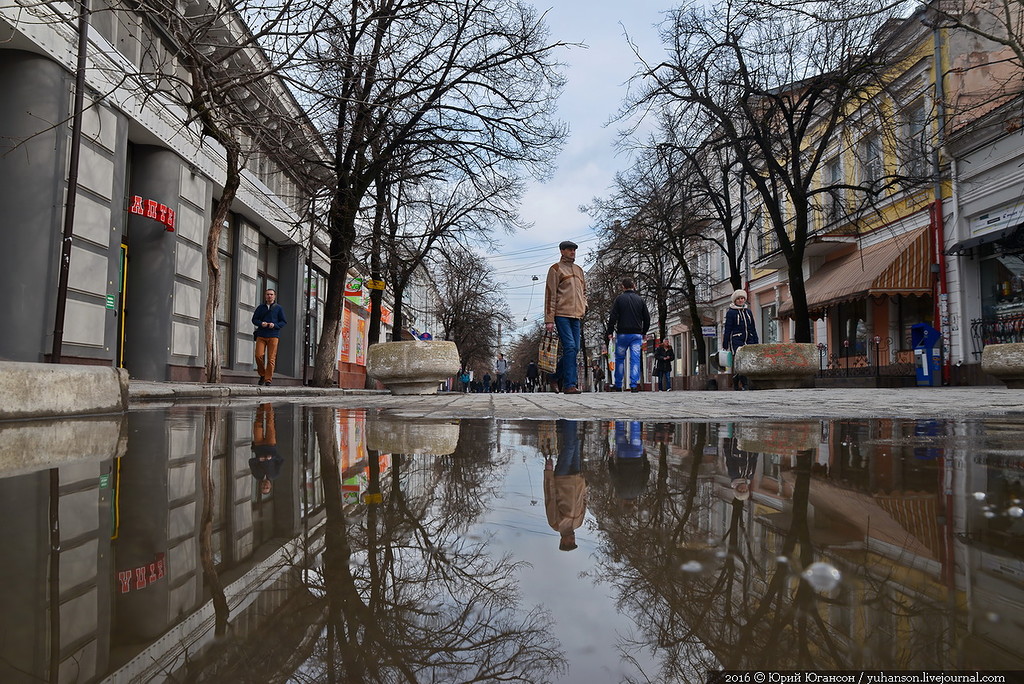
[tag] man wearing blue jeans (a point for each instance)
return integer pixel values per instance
(631, 319)
(565, 302)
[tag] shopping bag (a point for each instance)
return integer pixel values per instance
(725, 358)
(547, 356)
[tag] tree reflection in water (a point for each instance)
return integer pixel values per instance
(419, 600)
(737, 600)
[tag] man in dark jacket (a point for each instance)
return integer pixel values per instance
(268, 319)
(631, 319)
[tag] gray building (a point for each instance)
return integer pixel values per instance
(148, 183)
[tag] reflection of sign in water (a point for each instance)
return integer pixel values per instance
(354, 466)
(142, 576)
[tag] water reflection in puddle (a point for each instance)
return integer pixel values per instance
(282, 541)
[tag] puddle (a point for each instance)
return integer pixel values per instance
(288, 542)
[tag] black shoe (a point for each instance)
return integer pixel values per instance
(614, 389)
(635, 389)
(260, 381)
(267, 383)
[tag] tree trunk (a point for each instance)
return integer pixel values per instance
(326, 361)
(211, 370)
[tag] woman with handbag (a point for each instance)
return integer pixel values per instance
(739, 330)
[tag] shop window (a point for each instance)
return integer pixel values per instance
(316, 293)
(851, 331)
(1002, 284)
(769, 324)
(911, 310)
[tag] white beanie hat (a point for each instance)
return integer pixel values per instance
(739, 293)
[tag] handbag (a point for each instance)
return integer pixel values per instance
(547, 354)
(725, 358)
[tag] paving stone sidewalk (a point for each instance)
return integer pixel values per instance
(915, 402)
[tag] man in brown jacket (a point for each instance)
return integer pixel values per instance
(565, 302)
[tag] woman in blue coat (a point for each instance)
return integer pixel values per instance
(739, 330)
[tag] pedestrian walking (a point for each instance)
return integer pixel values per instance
(739, 330)
(663, 358)
(565, 302)
(268, 319)
(630, 318)
(501, 370)
(532, 373)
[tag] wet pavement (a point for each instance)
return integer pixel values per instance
(851, 402)
(480, 538)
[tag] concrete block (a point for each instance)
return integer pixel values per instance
(778, 366)
(1006, 362)
(41, 390)
(416, 367)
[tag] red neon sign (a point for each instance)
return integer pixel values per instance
(153, 210)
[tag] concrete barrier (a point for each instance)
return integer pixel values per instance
(786, 365)
(1006, 362)
(43, 390)
(416, 367)
(32, 445)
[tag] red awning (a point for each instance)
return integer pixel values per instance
(899, 266)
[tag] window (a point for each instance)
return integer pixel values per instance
(769, 324)
(851, 332)
(316, 291)
(911, 310)
(767, 242)
(871, 158)
(916, 128)
(226, 290)
(267, 268)
(832, 177)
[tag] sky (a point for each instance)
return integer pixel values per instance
(596, 85)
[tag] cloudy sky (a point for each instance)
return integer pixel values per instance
(596, 85)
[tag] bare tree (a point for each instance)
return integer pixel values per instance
(229, 85)
(777, 87)
(470, 309)
(472, 84)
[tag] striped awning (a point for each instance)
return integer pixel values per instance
(898, 266)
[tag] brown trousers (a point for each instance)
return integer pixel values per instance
(266, 346)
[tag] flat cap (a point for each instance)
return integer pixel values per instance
(567, 244)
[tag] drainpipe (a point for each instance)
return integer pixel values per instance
(72, 190)
(941, 312)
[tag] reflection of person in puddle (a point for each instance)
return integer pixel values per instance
(565, 490)
(629, 468)
(740, 465)
(265, 463)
